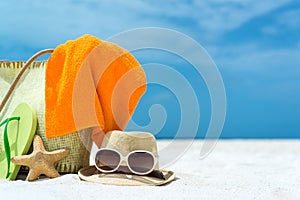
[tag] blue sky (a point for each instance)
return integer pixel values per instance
(255, 44)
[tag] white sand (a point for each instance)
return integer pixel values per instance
(236, 169)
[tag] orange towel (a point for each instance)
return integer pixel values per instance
(91, 83)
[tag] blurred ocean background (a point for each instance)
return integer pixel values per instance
(255, 45)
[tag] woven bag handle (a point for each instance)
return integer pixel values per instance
(19, 75)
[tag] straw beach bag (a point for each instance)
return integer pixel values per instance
(25, 82)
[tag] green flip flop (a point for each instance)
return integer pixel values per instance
(17, 137)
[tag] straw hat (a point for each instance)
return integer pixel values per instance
(124, 143)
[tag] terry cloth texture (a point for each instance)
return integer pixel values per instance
(91, 83)
(30, 89)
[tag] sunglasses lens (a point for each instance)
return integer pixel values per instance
(141, 162)
(107, 160)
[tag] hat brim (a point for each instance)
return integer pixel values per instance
(91, 174)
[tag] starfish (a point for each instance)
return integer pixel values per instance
(40, 161)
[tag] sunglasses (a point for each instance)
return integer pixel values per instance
(139, 162)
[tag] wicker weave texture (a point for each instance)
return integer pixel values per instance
(31, 89)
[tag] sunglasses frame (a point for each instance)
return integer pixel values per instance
(125, 158)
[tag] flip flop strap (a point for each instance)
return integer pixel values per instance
(19, 75)
(6, 142)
